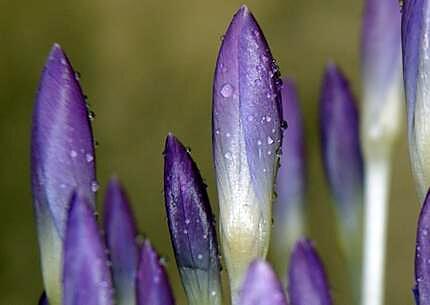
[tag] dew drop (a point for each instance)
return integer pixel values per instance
(200, 256)
(227, 90)
(95, 186)
(269, 140)
(73, 154)
(228, 156)
(187, 221)
(89, 158)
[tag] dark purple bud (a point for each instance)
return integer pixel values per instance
(43, 299)
(191, 225)
(307, 281)
(153, 286)
(422, 255)
(340, 143)
(291, 181)
(261, 286)
(62, 160)
(121, 232)
(246, 140)
(86, 275)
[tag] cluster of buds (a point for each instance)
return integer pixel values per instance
(260, 163)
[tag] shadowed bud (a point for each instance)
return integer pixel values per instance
(343, 164)
(153, 286)
(86, 275)
(261, 286)
(340, 144)
(246, 140)
(416, 69)
(291, 181)
(43, 299)
(422, 256)
(121, 232)
(307, 281)
(382, 76)
(191, 225)
(62, 160)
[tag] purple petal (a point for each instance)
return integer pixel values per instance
(308, 284)
(381, 49)
(261, 287)
(121, 232)
(291, 180)
(246, 141)
(340, 144)
(416, 67)
(422, 255)
(43, 299)
(62, 160)
(153, 286)
(86, 275)
(191, 225)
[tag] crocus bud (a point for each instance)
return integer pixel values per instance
(43, 299)
(261, 286)
(416, 67)
(291, 181)
(86, 274)
(153, 286)
(343, 164)
(382, 77)
(62, 160)
(246, 141)
(121, 232)
(422, 255)
(191, 225)
(307, 281)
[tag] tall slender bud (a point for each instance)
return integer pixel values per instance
(62, 160)
(246, 142)
(121, 232)
(191, 226)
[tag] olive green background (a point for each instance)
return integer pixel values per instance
(147, 67)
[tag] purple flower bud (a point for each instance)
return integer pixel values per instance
(416, 69)
(291, 181)
(246, 141)
(191, 225)
(261, 286)
(382, 75)
(121, 232)
(86, 275)
(62, 160)
(422, 255)
(340, 143)
(43, 299)
(308, 284)
(153, 286)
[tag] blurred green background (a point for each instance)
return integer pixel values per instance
(147, 68)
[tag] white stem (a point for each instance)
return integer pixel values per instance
(377, 179)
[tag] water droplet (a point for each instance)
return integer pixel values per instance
(89, 158)
(199, 256)
(216, 131)
(213, 293)
(284, 124)
(185, 231)
(63, 61)
(269, 152)
(205, 236)
(187, 221)
(73, 154)
(250, 118)
(228, 135)
(228, 156)
(95, 186)
(269, 140)
(227, 90)
(259, 143)
(91, 115)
